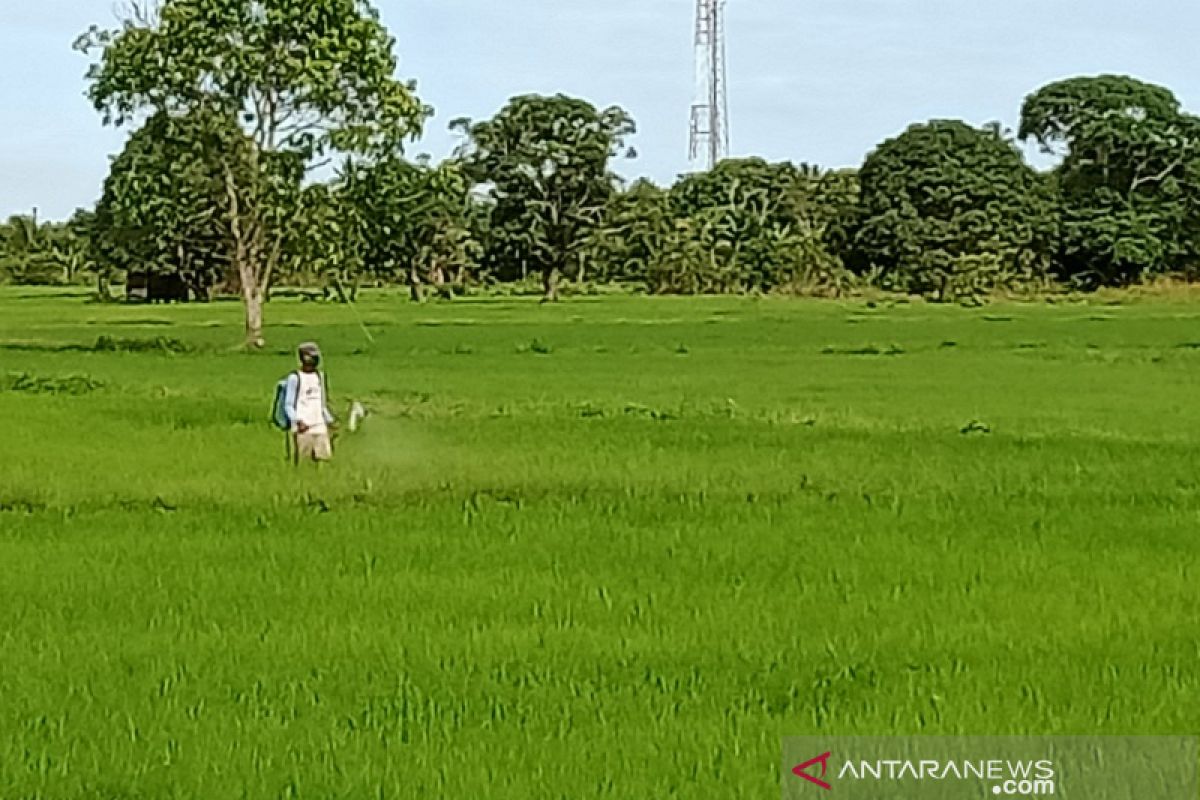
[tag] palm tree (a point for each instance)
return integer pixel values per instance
(27, 252)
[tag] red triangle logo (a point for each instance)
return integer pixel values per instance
(801, 771)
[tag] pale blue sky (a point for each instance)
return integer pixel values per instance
(821, 81)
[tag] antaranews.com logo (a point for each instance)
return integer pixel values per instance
(962, 768)
(1007, 778)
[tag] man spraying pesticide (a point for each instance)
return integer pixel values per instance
(302, 409)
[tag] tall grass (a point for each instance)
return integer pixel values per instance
(623, 563)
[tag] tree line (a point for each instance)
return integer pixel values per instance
(268, 148)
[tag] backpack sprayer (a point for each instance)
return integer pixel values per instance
(280, 416)
(310, 353)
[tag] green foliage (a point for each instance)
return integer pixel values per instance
(302, 79)
(637, 228)
(43, 253)
(303, 76)
(75, 246)
(747, 225)
(951, 212)
(325, 241)
(763, 227)
(165, 206)
(545, 161)
(1129, 179)
(242, 99)
(1064, 115)
(28, 383)
(166, 345)
(26, 256)
(417, 223)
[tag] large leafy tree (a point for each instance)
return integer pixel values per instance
(416, 221)
(165, 208)
(546, 161)
(633, 235)
(1062, 116)
(325, 243)
(762, 225)
(1129, 179)
(303, 79)
(952, 211)
(746, 225)
(447, 230)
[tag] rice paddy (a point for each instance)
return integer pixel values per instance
(618, 547)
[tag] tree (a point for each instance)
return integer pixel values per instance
(326, 241)
(386, 197)
(88, 252)
(1129, 180)
(33, 252)
(546, 163)
(165, 209)
(447, 235)
(952, 211)
(762, 225)
(1062, 116)
(303, 79)
(72, 245)
(837, 199)
(415, 221)
(635, 231)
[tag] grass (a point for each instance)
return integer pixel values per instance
(615, 548)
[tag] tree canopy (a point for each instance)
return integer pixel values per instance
(303, 80)
(545, 161)
(33, 251)
(418, 223)
(236, 105)
(948, 210)
(763, 224)
(1129, 180)
(165, 208)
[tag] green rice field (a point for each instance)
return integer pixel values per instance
(614, 548)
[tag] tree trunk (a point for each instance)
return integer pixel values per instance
(253, 275)
(230, 282)
(339, 289)
(252, 299)
(103, 289)
(550, 285)
(440, 285)
(414, 285)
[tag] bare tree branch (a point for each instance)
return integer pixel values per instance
(1140, 180)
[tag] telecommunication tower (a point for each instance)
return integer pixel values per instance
(710, 110)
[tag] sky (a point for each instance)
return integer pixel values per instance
(817, 81)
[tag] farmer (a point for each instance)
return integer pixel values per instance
(307, 408)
